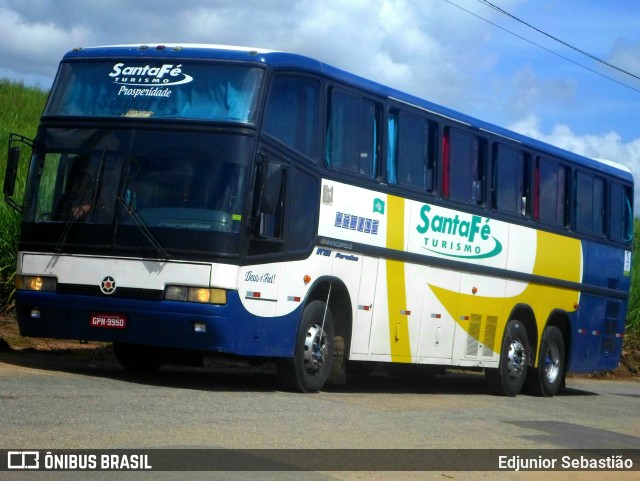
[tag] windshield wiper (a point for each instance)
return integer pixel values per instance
(137, 220)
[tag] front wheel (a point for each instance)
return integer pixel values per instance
(310, 366)
(509, 377)
(546, 379)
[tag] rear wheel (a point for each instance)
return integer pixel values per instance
(310, 367)
(509, 377)
(546, 379)
(134, 357)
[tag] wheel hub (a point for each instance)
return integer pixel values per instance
(316, 348)
(552, 364)
(517, 359)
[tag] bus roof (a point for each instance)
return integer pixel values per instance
(285, 60)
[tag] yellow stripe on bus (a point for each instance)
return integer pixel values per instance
(556, 257)
(396, 289)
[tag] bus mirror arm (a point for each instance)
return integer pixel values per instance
(11, 173)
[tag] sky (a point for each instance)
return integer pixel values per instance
(566, 72)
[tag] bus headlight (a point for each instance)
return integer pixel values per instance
(36, 283)
(204, 295)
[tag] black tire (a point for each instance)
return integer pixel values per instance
(509, 377)
(138, 358)
(310, 367)
(547, 379)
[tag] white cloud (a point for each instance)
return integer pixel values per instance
(626, 55)
(527, 92)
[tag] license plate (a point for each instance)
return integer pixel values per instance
(109, 321)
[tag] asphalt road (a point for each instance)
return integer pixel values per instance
(84, 400)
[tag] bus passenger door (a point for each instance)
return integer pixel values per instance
(361, 331)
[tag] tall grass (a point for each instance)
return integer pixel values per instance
(632, 337)
(20, 108)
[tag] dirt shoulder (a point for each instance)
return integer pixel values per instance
(11, 340)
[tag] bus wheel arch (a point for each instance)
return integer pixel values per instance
(322, 334)
(524, 313)
(341, 308)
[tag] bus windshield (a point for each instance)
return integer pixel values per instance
(153, 89)
(98, 187)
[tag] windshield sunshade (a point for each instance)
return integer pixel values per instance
(128, 88)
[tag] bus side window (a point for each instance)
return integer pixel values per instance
(292, 113)
(392, 148)
(550, 192)
(352, 134)
(510, 180)
(463, 166)
(409, 161)
(589, 203)
(620, 213)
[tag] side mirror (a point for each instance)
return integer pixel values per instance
(13, 164)
(13, 159)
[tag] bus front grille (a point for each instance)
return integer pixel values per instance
(122, 292)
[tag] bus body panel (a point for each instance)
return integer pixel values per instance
(231, 328)
(598, 332)
(425, 314)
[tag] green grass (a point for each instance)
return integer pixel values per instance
(20, 109)
(632, 336)
(633, 311)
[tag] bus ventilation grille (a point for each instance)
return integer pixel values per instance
(121, 292)
(481, 342)
(490, 336)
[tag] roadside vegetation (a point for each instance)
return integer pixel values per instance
(631, 346)
(20, 108)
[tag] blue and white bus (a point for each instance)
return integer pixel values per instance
(219, 200)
